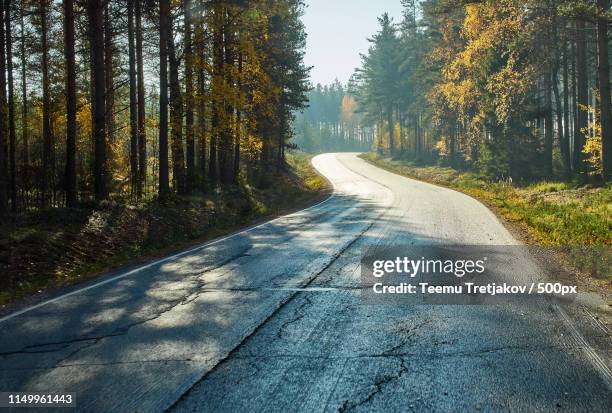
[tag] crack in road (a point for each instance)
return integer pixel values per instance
(379, 384)
(275, 312)
(429, 355)
(409, 334)
(299, 313)
(193, 294)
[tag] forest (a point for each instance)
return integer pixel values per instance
(512, 89)
(331, 122)
(141, 99)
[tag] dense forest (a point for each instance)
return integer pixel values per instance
(514, 89)
(331, 122)
(133, 99)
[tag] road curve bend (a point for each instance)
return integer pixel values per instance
(270, 319)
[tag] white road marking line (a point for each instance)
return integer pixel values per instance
(162, 260)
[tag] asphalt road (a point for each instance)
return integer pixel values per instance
(271, 319)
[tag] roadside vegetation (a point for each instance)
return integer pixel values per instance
(508, 101)
(59, 246)
(129, 129)
(558, 214)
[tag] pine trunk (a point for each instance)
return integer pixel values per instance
(11, 108)
(548, 125)
(226, 145)
(110, 78)
(604, 92)
(201, 103)
(142, 134)
(217, 90)
(46, 116)
(133, 100)
(189, 101)
(96, 36)
(176, 115)
(71, 104)
(3, 134)
(24, 93)
(565, 143)
(164, 183)
(236, 174)
(582, 96)
(391, 131)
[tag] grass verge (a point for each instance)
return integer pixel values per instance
(556, 214)
(58, 247)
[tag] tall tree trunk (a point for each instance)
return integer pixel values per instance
(418, 145)
(555, 82)
(24, 91)
(11, 108)
(217, 89)
(189, 132)
(109, 52)
(46, 105)
(236, 174)
(226, 144)
(391, 131)
(565, 143)
(71, 104)
(548, 124)
(133, 100)
(604, 91)
(95, 11)
(401, 130)
(142, 134)
(176, 114)
(453, 144)
(201, 102)
(279, 148)
(582, 96)
(574, 101)
(3, 140)
(164, 183)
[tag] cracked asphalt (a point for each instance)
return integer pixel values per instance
(271, 319)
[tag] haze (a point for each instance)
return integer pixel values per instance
(337, 33)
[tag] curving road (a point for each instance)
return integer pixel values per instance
(270, 319)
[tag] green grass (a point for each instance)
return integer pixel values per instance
(58, 247)
(557, 214)
(300, 163)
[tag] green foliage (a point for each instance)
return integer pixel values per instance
(330, 123)
(480, 85)
(556, 214)
(56, 247)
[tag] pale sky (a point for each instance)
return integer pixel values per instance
(337, 32)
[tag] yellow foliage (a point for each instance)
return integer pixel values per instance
(348, 108)
(593, 147)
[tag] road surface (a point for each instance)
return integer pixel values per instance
(270, 319)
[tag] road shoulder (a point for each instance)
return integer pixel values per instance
(306, 186)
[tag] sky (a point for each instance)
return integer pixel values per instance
(337, 32)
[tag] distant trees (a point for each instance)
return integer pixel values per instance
(512, 88)
(381, 78)
(132, 98)
(331, 122)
